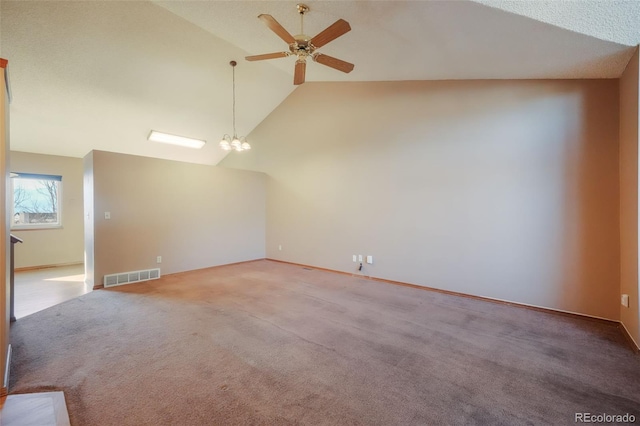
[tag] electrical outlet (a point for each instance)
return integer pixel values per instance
(359, 258)
(280, 247)
(624, 300)
(159, 259)
(355, 258)
(370, 260)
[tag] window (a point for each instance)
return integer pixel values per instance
(36, 201)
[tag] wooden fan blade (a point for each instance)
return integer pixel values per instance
(298, 76)
(332, 62)
(277, 28)
(332, 32)
(267, 56)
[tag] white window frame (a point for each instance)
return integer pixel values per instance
(36, 176)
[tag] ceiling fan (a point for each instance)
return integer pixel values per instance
(303, 47)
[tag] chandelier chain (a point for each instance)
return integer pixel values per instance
(234, 101)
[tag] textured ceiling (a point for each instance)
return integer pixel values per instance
(612, 20)
(101, 75)
(416, 40)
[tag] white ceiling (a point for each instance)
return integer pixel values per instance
(102, 74)
(612, 20)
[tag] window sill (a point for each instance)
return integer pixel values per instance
(35, 227)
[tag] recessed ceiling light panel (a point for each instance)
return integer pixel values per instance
(156, 136)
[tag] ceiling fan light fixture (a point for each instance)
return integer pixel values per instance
(234, 143)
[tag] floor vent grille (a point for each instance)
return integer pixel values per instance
(131, 277)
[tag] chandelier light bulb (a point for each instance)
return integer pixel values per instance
(224, 144)
(236, 144)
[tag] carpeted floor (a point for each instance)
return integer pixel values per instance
(270, 343)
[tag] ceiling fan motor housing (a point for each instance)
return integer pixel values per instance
(302, 46)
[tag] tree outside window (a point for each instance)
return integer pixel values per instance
(36, 201)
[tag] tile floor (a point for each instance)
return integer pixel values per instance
(39, 289)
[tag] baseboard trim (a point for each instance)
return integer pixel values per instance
(471, 296)
(56, 265)
(101, 286)
(215, 267)
(634, 345)
(4, 391)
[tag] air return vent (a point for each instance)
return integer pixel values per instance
(131, 277)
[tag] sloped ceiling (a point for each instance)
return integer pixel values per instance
(612, 20)
(102, 74)
(415, 40)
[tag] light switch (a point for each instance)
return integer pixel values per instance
(624, 300)
(370, 260)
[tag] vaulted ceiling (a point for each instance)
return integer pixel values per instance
(102, 74)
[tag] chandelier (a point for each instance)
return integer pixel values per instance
(235, 143)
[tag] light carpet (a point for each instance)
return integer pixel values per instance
(271, 343)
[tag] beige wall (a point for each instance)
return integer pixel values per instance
(194, 216)
(503, 189)
(629, 196)
(57, 246)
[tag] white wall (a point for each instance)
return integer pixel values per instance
(59, 246)
(502, 189)
(4, 229)
(194, 216)
(89, 228)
